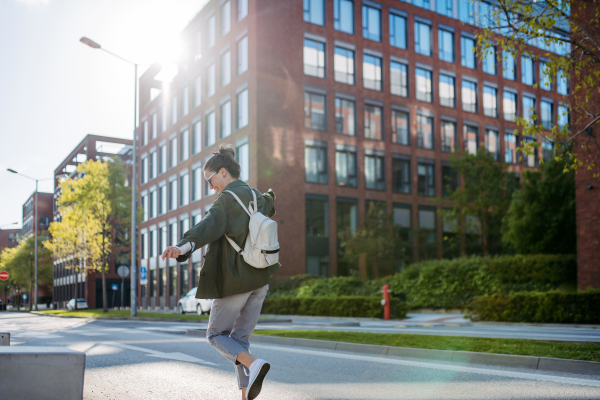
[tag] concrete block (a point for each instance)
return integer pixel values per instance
(569, 366)
(362, 348)
(316, 344)
(277, 340)
(426, 354)
(4, 338)
(41, 372)
(504, 360)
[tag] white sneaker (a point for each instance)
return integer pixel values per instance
(258, 371)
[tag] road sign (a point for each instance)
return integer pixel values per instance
(115, 286)
(3, 276)
(123, 271)
(143, 276)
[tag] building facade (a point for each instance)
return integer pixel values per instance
(333, 105)
(45, 213)
(9, 238)
(89, 285)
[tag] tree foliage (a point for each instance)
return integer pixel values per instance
(541, 218)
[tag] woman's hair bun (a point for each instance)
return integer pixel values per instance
(226, 150)
(224, 157)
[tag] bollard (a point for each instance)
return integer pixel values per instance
(387, 307)
(4, 339)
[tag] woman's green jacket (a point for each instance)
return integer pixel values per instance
(224, 272)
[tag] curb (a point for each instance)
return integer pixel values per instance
(124, 318)
(501, 360)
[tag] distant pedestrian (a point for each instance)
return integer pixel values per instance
(238, 289)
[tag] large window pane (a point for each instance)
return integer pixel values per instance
(345, 116)
(226, 68)
(490, 101)
(184, 145)
(529, 109)
(314, 58)
(564, 117)
(508, 65)
(225, 18)
(345, 168)
(530, 159)
(401, 175)
(467, 52)
(423, 38)
(446, 45)
(399, 79)
(400, 132)
(242, 109)
(489, 61)
(314, 11)
(469, 96)
(470, 139)
(211, 80)
(527, 70)
(466, 11)
(371, 23)
(545, 77)
(445, 7)
(315, 164)
(242, 60)
(424, 92)
(343, 16)
(510, 146)
(492, 143)
(317, 218)
(211, 129)
(225, 126)
(424, 131)
(343, 65)
(426, 184)
(314, 111)
(449, 137)
(562, 83)
(447, 91)
(372, 72)
(243, 157)
(242, 13)
(397, 31)
(374, 172)
(510, 105)
(373, 122)
(547, 114)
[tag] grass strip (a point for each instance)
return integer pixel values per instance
(126, 313)
(522, 347)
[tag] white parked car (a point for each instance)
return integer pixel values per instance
(81, 304)
(189, 303)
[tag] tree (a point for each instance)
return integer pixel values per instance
(20, 263)
(568, 40)
(378, 240)
(481, 201)
(541, 218)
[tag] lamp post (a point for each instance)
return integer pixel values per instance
(35, 223)
(94, 45)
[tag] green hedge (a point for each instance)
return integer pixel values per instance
(346, 306)
(549, 307)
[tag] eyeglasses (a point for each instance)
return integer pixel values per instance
(210, 178)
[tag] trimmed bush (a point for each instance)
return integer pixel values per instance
(344, 306)
(549, 307)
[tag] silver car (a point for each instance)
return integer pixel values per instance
(189, 303)
(81, 304)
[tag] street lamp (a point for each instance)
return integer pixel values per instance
(94, 45)
(35, 223)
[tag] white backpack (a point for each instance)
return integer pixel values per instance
(262, 248)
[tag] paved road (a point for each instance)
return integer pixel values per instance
(153, 360)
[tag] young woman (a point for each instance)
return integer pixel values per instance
(237, 288)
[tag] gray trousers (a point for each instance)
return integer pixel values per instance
(231, 323)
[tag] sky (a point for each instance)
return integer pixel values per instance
(54, 90)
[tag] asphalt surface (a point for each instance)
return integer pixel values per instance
(154, 360)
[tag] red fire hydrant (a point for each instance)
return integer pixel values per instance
(387, 307)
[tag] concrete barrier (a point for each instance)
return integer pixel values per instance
(41, 372)
(4, 339)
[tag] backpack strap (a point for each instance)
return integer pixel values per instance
(240, 201)
(234, 245)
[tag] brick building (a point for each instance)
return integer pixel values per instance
(9, 238)
(45, 212)
(333, 105)
(92, 147)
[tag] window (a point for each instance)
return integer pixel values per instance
(510, 105)
(529, 109)
(225, 68)
(314, 58)
(470, 138)
(422, 3)
(162, 199)
(154, 125)
(343, 65)
(162, 160)
(152, 169)
(207, 190)
(508, 65)
(466, 11)
(492, 143)
(467, 52)
(198, 43)
(399, 79)
(211, 31)
(144, 170)
(510, 148)
(242, 155)
(242, 56)
(211, 129)
(372, 72)
(184, 143)
(225, 125)
(373, 122)
(564, 117)
(345, 166)
(530, 159)
(225, 18)
(152, 244)
(374, 170)
(490, 101)
(423, 38)
(242, 9)
(173, 154)
(562, 83)
(163, 118)
(315, 162)
(449, 139)
(185, 101)
(211, 80)
(527, 71)
(547, 148)
(445, 7)
(197, 137)
(183, 280)
(317, 232)
(314, 111)
(173, 233)
(197, 178)
(446, 45)
(345, 116)
(447, 91)
(400, 175)
(424, 92)
(400, 132)
(547, 114)
(397, 31)
(489, 60)
(173, 194)
(198, 91)
(371, 23)
(545, 77)
(184, 187)
(343, 16)
(173, 110)
(242, 116)
(152, 208)
(426, 175)
(144, 133)
(469, 96)
(346, 221)
(424, 131)
(449, 180)
(314, 11)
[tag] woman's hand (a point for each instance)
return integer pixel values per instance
(171, 252)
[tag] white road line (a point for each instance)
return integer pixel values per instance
(153, 353)
(419, 364)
